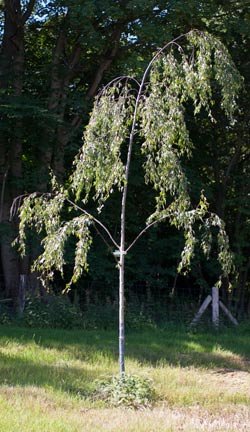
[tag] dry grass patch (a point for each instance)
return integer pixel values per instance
(37, 410)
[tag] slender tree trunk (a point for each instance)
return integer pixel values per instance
(123, 220)
(121, 312)
(122, 250)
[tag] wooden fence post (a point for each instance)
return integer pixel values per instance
(202, 309)
(215, 306)
(22, 290)
(228, 313)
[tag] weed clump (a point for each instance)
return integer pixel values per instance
(124, 390)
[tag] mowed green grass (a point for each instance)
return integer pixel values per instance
(201, 379)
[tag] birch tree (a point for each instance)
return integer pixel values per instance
(149, 114)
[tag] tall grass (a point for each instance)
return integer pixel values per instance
(47, 378)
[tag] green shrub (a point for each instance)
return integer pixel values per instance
(105, 316)
(129, 391)
(5, 315)
(137, 320)
(56, 312)
(102, 316)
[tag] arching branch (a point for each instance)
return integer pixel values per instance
(95, 220)
(146, 229)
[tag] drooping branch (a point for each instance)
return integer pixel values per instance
(16, 204)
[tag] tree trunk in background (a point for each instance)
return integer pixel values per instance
(67, 57)
(223, 175)
(11, 84)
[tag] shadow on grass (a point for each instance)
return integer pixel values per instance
(17, 371)
(228, 348)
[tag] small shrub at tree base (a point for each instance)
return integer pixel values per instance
(128, 391)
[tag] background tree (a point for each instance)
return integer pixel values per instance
(16, 16)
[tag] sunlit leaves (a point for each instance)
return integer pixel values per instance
(176, 80)
(52, 258)
(214, 61)
(99, 167)
(44, 214)
(164, 130)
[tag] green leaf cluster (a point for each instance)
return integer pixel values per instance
(44, 214)
(99, 166)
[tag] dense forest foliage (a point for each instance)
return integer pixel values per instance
(55, 57)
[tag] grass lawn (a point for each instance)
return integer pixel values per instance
(201, 379)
